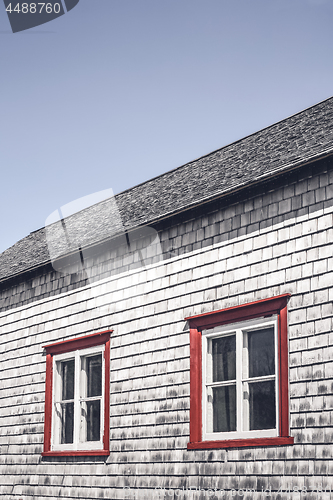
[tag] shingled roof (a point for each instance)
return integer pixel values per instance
(286, 145)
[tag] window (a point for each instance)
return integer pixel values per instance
(77, 396)
(239, 376)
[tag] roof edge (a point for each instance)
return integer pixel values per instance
(225, 146)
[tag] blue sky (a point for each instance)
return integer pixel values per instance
(118, 91)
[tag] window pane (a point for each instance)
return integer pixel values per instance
(224, 408)
(93, 420)
(67, 375)
(262, 405)
(261, 352)
(224, 358)
(67, 422)
(94, 376)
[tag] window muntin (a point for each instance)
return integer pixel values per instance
(240, 380)
(78, 399)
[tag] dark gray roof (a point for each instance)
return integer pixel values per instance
(288, 144)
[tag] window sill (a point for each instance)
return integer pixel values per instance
(78, 453)
(241, 443)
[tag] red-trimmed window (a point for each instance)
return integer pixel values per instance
(239, 376)
(77, 396)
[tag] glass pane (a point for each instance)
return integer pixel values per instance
(262, 405)
(224, 358)
(94, 376)
(67, 422)
(67, 375)
(261, 352)
(224, 408)
(93, 420)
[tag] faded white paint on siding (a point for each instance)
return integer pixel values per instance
(150, 370)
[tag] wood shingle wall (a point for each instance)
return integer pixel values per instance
(273, 242)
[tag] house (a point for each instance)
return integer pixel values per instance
(175, 341)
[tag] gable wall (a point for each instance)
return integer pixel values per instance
(278, 242)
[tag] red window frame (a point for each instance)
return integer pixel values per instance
(85, 342)
(262, 308)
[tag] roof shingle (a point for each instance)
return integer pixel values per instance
(287, 144)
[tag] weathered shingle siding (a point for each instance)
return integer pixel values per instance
(267, 244)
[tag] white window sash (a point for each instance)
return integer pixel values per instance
(77, 355)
